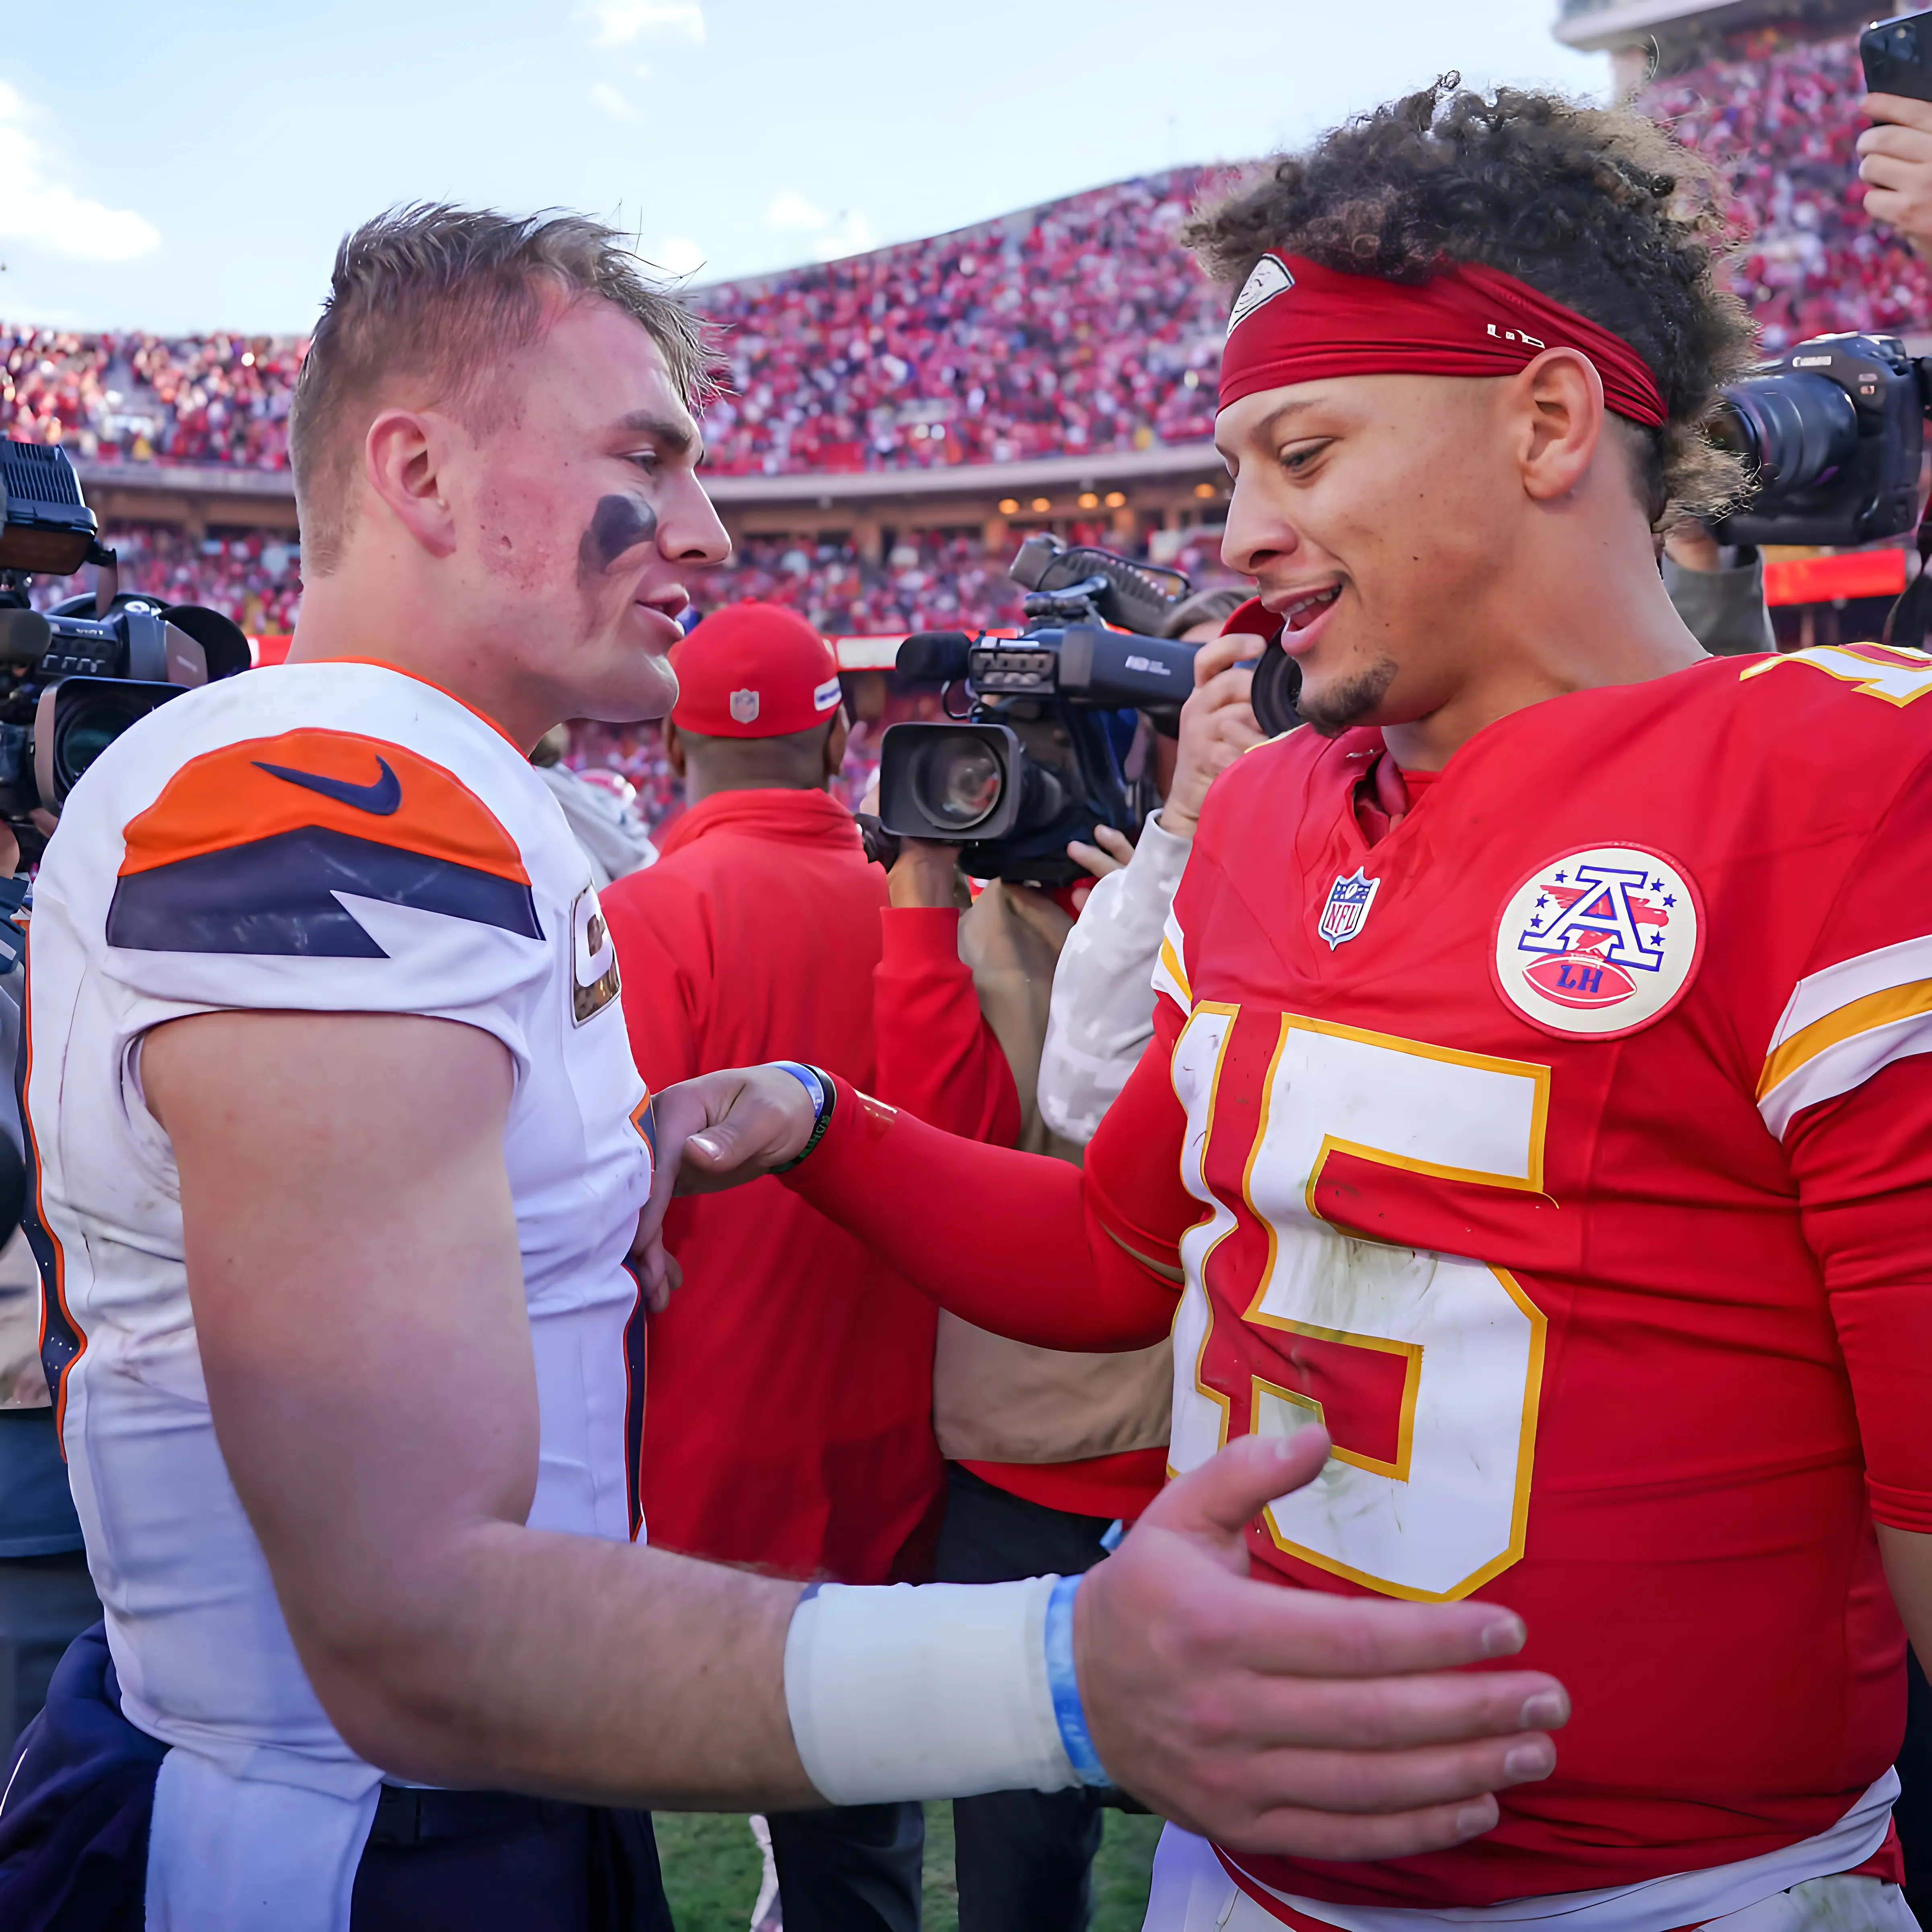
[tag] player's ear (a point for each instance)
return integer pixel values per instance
(403, 456)
(1558, 402)
(677, 754)
(834, 743)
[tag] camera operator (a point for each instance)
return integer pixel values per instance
(45, 1597)
(1102, 1008)
(1895, 164)
(764, 929)
(1722, 603)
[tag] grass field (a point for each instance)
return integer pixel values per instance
(711, 1871)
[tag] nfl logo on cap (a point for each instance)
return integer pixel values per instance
(744, 706)
(1349, 900)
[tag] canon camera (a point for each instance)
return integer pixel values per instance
(1831, 434)
(1034, 761)
(73, 678)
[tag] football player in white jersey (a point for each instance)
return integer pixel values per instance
(340, 1158)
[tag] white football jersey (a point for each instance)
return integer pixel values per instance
(328, 837)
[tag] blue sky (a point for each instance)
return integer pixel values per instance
(193, 167)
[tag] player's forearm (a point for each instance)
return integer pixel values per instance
(1008, 1241)
(522, 1660)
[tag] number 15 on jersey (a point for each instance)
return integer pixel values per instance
(1426, 1495)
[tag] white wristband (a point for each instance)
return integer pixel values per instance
(938, 1690)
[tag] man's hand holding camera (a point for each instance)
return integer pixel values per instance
(1895, 163)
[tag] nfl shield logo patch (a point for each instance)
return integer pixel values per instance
(745, 707)
(1349, 900)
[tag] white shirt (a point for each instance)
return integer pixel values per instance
(1102, 1015)
(334, 838)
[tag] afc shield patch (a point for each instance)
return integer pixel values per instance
(745, 707)
(1599, 942)
(1348, 906)
(593, 959)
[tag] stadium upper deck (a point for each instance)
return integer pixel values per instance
(1079, 328)
(891, 416)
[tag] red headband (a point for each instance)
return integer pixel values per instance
(1297, 322)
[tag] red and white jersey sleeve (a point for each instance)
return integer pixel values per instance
(1846, 1087)
(331, 838)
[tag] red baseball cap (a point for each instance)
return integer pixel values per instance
(754, 671)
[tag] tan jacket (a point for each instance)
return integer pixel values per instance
(997, 1401)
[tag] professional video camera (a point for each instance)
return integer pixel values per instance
(71, 683)
(1832, 433)
(1030, 763)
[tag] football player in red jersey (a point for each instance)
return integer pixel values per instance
(1539, 1099)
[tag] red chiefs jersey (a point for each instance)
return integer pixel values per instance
(1568, 1154)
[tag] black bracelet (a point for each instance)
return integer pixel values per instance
(825, 1099)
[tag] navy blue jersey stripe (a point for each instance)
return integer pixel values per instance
(277, 896)
(636, 1355)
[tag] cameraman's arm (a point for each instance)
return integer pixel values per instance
(1102, 1016)
(1724, 609)
(936, 1056)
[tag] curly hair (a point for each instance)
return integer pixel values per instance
(1598, 207)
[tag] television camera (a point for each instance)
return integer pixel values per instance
(73, 678)
(1032, 761)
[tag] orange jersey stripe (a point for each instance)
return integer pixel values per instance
(340, 780)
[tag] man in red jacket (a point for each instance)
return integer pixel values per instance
(789, 1411)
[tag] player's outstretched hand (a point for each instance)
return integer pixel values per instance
(722, 1130)
(1293, 1721)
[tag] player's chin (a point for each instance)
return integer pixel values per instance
(1351, 694)
(632, 686)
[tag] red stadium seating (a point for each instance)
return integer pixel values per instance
(1783, 121)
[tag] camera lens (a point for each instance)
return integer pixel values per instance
(1793, 429)
(1905, 44)
(87, 730)
(958, 782)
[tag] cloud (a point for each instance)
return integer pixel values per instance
(851, 234)
(619, 22)
(614, 103)
(791, 214)
(50, 214)
(678, 255)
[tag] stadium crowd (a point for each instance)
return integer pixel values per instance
(1086, 328)
(1079, 325)
(1783, 120)
(142, 398)
(1083, 328)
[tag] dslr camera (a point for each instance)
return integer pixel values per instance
(73, 678)
(1831, 434)
(1030, 762)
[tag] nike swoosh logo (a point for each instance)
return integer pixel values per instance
(380, 799)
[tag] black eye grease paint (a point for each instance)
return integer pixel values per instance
(618, 524)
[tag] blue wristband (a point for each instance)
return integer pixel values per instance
(807, 1077)
(823, 1093)
(1065, 1685)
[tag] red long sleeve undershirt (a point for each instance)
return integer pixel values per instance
(1029, 1247)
